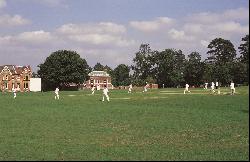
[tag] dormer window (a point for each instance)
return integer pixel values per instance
(26, 77)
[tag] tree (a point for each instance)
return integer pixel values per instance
(244, 50)
(164, 66)
(222, 55)
(244, 58)
(121, 75)
(142, 67)
(98, 67)
(221, 51)
(194, 69)
(179, 66)
(61, 68)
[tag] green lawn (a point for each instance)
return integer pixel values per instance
(161, 124)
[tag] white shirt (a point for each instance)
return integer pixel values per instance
(57, 90)
(187, 86)
(232, 85)
(105, 91)
(217, 84)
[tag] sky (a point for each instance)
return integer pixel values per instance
(111, 31)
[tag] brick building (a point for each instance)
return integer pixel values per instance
(12, 76)
(99, 78)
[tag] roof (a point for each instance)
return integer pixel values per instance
(99, 73)
(15, 69)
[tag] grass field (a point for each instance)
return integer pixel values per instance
(161, 124)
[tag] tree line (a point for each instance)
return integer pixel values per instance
(169, 67)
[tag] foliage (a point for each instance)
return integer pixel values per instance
(121, 75)
(194, 69)
(98, 67)
(244, 50)
(142, 64)
(221, 51)
(62, 68)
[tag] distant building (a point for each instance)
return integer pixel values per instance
(99, 79)
(12, 76)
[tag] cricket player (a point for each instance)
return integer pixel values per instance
(232, 88)
(186, 89)
(206, 85)
(145, 87)
(14, 92)
(105, 93)
(212, 87)
(216, 85)
(130, 88)
(57, 93)
(93, 90)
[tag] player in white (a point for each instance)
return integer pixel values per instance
(105, 93)
(93, 90)
(232, 88)
(186, 89)
(145, 87)
(216, 85)
(206, 85)
(57, 93)
(130, 88)
(212, 87)
(14, 92)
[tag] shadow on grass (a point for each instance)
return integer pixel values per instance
(245, 111)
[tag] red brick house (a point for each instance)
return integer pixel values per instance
(99, 78)
(12, 76)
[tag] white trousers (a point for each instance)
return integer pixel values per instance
(57, 96)
(107, 96)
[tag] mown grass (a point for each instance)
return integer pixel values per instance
(162, 124)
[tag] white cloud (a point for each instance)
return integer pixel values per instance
(154, 25)
(228, 15)
(102, 27)
(2, 3)
(53, 3)
(204, 43)
(180, 35)
(35, 36)
(16, 20)
(237, 14)
(103, 33)
(232, 27)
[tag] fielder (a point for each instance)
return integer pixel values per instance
(145, 87)
(57, 93)
(232, 88)
(93, 90)
(206, 85)
(212, 87)
(186, 89)
(216, 85)
(14, 92)
(130, 88)
(105, 93)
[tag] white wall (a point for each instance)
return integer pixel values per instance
(35, 84)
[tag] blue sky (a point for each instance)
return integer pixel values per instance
(111, 31)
